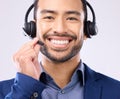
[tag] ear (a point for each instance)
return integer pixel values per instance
(85, 37)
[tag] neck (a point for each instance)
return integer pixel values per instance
(61, 72)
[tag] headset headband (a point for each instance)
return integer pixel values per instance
(90, 28)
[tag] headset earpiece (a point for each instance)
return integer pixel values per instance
(90, 28)
(30, 29)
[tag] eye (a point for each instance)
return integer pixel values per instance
(48, 18)
(72, 19)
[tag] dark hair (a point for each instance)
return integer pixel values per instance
(83, 2)
(35, 8)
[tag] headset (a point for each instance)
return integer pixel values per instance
(90, 28)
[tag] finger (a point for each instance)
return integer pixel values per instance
(22, 51)
(27, 49)
(34, 42)
(37, 49)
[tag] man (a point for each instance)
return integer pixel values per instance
(61, 74)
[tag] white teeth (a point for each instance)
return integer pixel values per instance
(60, 42)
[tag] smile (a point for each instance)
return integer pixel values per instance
(60, 42)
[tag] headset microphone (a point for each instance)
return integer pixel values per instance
(40, 43)
(90, 28)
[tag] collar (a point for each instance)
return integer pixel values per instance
(80, 72)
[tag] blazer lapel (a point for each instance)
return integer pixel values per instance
(92, 89)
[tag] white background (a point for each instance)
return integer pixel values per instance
(101, 52)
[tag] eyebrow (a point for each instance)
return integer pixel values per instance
(55, 12)
(48, 11)
(73, 12)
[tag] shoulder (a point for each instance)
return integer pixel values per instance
(5, 86)
(107, 86)
(6, 83)
(108, 81)
(102, 79)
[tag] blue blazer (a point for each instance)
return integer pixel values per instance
(97, 86)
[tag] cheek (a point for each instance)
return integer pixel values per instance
(81, 33)
(77, 29)
(42, 28)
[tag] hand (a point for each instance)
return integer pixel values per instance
(27, 59)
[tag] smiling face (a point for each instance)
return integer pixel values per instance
(60, 26)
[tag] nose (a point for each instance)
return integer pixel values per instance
(59, 26)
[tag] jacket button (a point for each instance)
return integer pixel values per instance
(35, 94)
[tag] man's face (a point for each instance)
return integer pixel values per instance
(60, 27)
